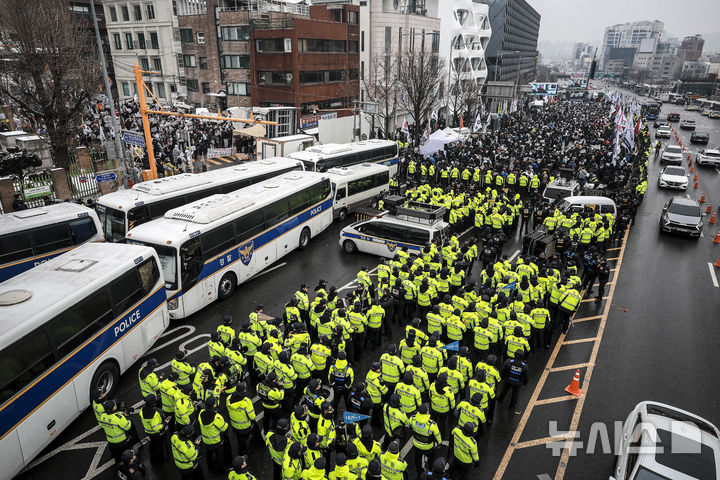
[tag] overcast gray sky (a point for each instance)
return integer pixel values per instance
(585, 20)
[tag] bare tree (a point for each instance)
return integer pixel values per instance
(381, 87)
(420, 78)
(52, 67)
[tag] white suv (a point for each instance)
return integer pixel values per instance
(663, 132)
(664, 442)
(708, 157)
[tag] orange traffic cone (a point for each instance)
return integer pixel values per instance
(692, 169)
(688, 156)
(696, 175)
(717, 264)
(696, 185)
(712, 219)
(574, 387)
(709, 208)
(702, 198)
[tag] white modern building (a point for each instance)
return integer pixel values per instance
(145, 33)
(629, 35)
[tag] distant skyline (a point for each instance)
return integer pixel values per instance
(585, 20)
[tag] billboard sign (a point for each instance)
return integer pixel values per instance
(543, 88)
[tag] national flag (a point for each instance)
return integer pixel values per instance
(405, 128)
(478, 124)
(637, 125)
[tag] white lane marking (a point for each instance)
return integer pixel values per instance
(712, 275)
(351, 283)
(513, 256)
(717, 169)
(190, 331)
(270, 270)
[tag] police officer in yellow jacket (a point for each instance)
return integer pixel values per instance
(464, 450)
(393, 467)
(212, 430)
(155, 426)
(185, 453)
(426, 437)
(242, 416)
(117, 427)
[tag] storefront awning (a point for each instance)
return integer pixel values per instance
(256, 131)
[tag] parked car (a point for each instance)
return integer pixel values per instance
(705, 112)
(687, 124)
(673, 176)
(714, 115)
(660, 442)
(691, 108)
(708, 157)
(682, 214)
(673, 117)
(672, 154)
(663, 132)
(700, 137)
(659, 123)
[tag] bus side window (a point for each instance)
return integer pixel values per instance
(126, 291)
(82, 230)
(52, 237)
(23, 362)
(73, 327)
(15, 246)
(137, 215)
(340, 193)
(192, 262)
(149, 275)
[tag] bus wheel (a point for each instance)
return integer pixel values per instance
(106, 379)
(342, 215)
(304, 238)
(349, 246)
(227, 286)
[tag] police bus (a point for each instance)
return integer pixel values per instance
(321, 158)
(68, 326)
(208, 247)
(31, 237)
(123, 210)
(357, 186)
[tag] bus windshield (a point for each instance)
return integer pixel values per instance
(168, 263)
(113, 223)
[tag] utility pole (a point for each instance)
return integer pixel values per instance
(108, 92)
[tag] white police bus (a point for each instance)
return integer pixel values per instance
(357, 186)
(31, 237)
(321, 158)
(126, 209)
(208, 247)
(68, 326)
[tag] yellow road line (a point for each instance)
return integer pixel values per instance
(214, 162)
(569, 367)
(542, 441)
(562, 466)
(579, 340)
(614, 248)
(592, 299)
(586, 319)
(606, 283)
(226, 160)
(613, 258)
(547, 401)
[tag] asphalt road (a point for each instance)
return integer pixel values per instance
(659, 349)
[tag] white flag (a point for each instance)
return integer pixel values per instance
(478, 124)
(433, 116)
(405, 129)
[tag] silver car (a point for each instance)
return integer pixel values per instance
(662, 442)
(672, 154)
(708, 157)
(681, 214)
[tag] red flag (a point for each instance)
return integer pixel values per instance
(637, 125)
(461, 122)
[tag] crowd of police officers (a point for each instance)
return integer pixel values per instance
(464, 347)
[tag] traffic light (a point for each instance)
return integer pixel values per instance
(593, 66)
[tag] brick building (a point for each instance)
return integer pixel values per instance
(310, 62)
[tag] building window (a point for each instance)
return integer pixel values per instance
(362, 41)
(189, 61)
(126, 89)
(154, 40)
(191, 84)
(352, 46)
(129, 41)
(436, 42)
(151, 14)
(337, 15)
(118, 41)
(352, 17)
(203, 63)
(138, 13)
(362, 69)
(200, 38)
(125, 13)
(160, 89)
(238, 88)
(235, 33)
(186, 35)
(144, 64)
(353, 74)
(235, 61)
(205, 87)
(273, 45)
(141, 40)
(275, 78)
(157, 64)
(317, 45)
(388, 38)
(323, 76)
(113, 14)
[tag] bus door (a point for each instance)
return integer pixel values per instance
(191, 261)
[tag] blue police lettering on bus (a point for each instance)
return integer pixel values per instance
(127, 322)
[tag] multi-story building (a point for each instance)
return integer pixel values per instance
(512, 51)
(311, 62)
(81, 8)
(145, 33)
(692, 47)
(695, 69)
(629, 35)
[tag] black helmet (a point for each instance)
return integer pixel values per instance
(394, 400)
(517, 331)
(151, 362)
(295, 450)
(127, 455)
(239, 462)
(151, 399)
(227, 319)
(187, 432)
(180, 354)
(469, 428)
(283, 424)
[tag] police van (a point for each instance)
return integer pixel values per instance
(357, 186)
(410, 226)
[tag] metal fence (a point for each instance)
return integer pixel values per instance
(37, 188)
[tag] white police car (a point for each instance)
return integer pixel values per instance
(386, 233)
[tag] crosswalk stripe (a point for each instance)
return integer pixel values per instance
(225, 159)
(214, 162)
